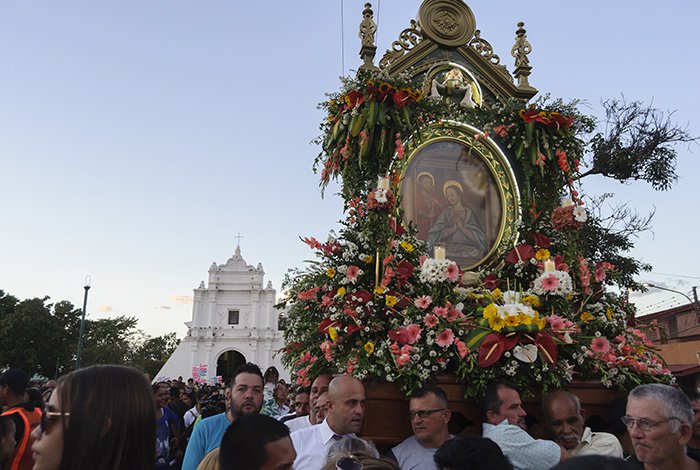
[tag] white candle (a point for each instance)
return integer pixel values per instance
(549, 266)
(383, 182)
(439, 253)
(565, 201)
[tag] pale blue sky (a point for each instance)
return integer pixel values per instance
(138, 137)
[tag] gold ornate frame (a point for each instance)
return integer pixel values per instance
(500, 171)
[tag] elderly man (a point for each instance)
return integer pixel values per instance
(565, 420)
(245, 396)
(505, 425)
(318, 386)
(659, 419)
(346, 410)
(429, 413)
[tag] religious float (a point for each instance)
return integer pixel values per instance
(467, 252)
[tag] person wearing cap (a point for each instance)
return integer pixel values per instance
(13, 383)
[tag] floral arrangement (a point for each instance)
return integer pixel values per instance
(376, 304)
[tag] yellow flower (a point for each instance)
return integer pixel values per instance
(333, 333)
(542, 254)
(541, 322)
(496, 323)
(532, 301)
(512, 320)
(369, 347)
(490, 312)
(497, 294)
(406, 246)
(368, 259)
(341, 292)
(379, 290)
(525, 319)
(330, 272)
(586, 317)
(390, 300)
(609, 314)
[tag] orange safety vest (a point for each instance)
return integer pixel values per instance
(22, 459)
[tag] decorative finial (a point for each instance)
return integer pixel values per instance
(367, 29)
(238, 245)
(520, 50)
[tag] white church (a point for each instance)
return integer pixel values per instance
(234, 321)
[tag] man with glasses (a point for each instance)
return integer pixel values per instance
(659, 419)
(429, 414)
(505, 425)
(565, 420)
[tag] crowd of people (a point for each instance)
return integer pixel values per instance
(113, 417)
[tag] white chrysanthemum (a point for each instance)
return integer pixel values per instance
(380, 195)
(553, 283)
(580, 214)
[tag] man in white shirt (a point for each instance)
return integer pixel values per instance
(565, 419)
(346, 410)
(505, 425)
(429, 413)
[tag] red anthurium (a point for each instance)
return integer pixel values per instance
(524, 250)
(491, 350)
(547, 346)
(400, 98)
(535, 116)
(491, 282)
(355, 98)
(397, 228)
(325, 324)
(352, 328)
(400, 336)
(541, 240)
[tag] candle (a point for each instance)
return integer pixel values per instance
(565, 201)
(439, 253)
(383, 183)
(549, 266)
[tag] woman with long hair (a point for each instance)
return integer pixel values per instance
(98, 418)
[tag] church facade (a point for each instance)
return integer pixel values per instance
(233, 321)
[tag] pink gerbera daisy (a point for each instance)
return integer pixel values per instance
(423, 302)
(353, 272)
(462, 349)
(550, 283)
(413, 332)
(452, 272)
(445, 338)
(600, 345)
(440, 311)
(430, 320)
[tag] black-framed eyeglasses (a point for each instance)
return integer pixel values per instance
(423, 413)
(643, 423)
(47, 416)
(348, 463)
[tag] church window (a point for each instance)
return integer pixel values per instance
(233, 317)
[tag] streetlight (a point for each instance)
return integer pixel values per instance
(692, 302)
(82, 322)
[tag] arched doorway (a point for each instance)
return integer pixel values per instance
(228, 362)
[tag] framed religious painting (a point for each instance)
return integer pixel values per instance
(458, 189)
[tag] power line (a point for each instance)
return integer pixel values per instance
(675, 275)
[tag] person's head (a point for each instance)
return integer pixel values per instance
(425, 180)
(34, 398)
(255, 441)
(453, 192)
(595, 462)
(320, 411)
(190, 382)
(361, 463)
(564, 417)
(318, 386)
(272, 375)
(346, 404)
(467, 451)
(187, 397)
(429, 414)
(502, 401)
(301, 404)
(13, 383)
(694, 398)
(161, 394)
(98, 417)
(246, 393)
(351, 446)
(659, 419)
(7, 437)
(280, 392)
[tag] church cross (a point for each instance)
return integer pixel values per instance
(239, 236)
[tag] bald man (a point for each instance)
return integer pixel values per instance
(346, 410)
(565, 419)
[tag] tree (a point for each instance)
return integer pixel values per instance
(152, 354)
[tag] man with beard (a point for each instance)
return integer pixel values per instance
(346, 410)
(245, 396)
(565, 420)
(505, 425)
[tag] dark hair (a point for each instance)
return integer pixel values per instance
(35, 398)
(269, 373)
(467, 451)
(243, 444)
(430, 388)
(492, 401)
(594, 462)
(113, 422)
(248, 368)
(16, 380)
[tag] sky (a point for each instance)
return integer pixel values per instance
(138, 138)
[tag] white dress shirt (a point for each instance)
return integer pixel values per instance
(312, 444)
(298, 423)
(598, 443)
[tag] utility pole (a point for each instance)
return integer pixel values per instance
(82, 323)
